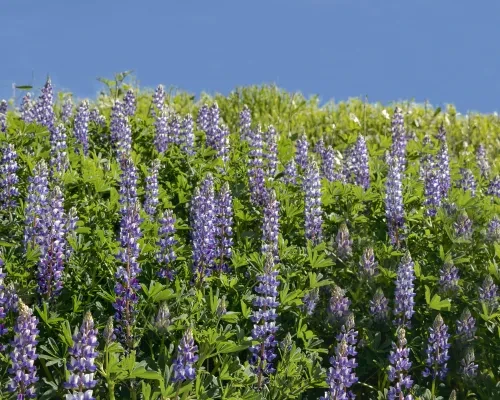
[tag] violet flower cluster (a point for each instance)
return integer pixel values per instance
(338, 306)
(356, 165)
(437, 350)
(162, 131)
(58, 151)
(151, 200)
(394, 208)
(8, 178)
(245, 122)
(264, 320)
(52, 246)
(256, 175)
(81, 126)
(224, 227)
(368, 265)
(400, 365)
(217, 134)
(3, 116)
(468, 367)
(468, 182)
(271, 142)
(204, 232)
(310, 300)
(494, 187)
(329, 166)
(82, 366)
(159, 98)
(488, 293)
(129, 103)
(482, 161)
(22, 372)
(96, 117)
(341, 376)
(448, 279)
(187, 135)
(44, 108)
(36, 205)
(343, 243)
(270, 226)
(466, 327)
(290, 173)
(301, 152)
(67, 110)
(493, 231)
(166, 242)
(28, 109)
(127, 284)
(443, 164)
(184, 368)
(379, 306)
(121, 134)
(433, 198)
(463, 226)
(405, 292)
(311, 186)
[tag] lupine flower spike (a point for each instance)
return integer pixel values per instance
(166, 242)
(81, 366)
(405, 292)
(313, 210)
(184, 368)
(437, 350)
(264, 320)
(400, 365)
(23, 355)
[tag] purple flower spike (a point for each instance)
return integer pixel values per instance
(44, 108)
(466, 327)
(448, 279)
(264, 320)
(121, 134)
(379, 306)
(271, 139)
(52, 246)
(394, 208)
(162, 131)
(36, 205)
(28, 109)
(96, 117)
(468, 182)
(338, 306)
(341, 376)
(482, 161)
(151, 196)
(58, 151)
(343, 243)
(443, 164)
(329, 167)
(81, 366)
(8, 178)
(245, 122)
(166, 242)
(313, 211)
(399, 377)
(129, 103)
(437, 350)
(405, 292)
(187, 133)
(399, 140)
(224, 227)
(319, 147)
(159, 98)
(81, 126)
(290, 174)
(368, 264)
(356, 169)
(433, 199)
(301, 150)
(270, 226)
(488, 293)
(463, 226)
(67, 110)
(493, 233)
(184, 368)
(23, 355)
(310, 300)
(468, 367)
(494, 187)
(3, 116)
(204, 220)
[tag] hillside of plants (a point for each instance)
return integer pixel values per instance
(259, 245)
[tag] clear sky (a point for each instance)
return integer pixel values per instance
(445, 51)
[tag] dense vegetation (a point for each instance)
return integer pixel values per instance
(266, 248)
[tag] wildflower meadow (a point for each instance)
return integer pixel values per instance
(258, 245)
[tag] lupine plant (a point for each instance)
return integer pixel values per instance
(156, 245)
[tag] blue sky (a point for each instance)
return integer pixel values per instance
(441, 50)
